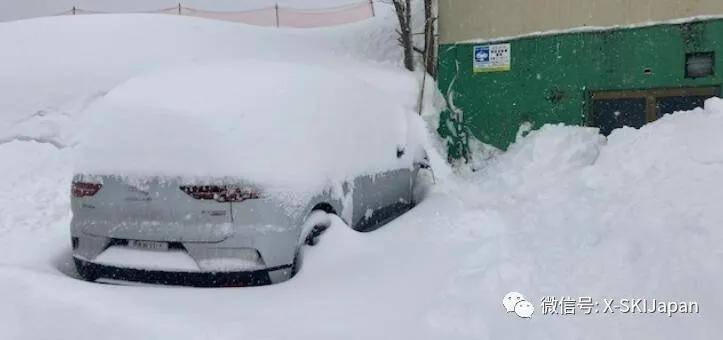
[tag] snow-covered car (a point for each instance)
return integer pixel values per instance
(220, 174)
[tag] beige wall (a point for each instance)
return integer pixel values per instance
(461, 20)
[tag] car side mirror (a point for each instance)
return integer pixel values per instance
(400, 152)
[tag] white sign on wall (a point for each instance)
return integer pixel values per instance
(492, 58)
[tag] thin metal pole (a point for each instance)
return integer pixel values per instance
(277, 15)
(371, 4)
(420, 104)
(428, 49)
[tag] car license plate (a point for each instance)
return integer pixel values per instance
(148, 245)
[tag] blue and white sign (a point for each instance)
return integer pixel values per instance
(482, 55)
(492, 58)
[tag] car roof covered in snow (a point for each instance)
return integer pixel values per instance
(275, 124)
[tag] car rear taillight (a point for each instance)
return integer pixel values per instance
(220, 193)
(83, 189)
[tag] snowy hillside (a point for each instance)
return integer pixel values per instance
(564, 212)
(58, 65)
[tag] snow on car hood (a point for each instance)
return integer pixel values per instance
(279, 125)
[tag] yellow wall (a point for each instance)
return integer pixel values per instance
(461, 20)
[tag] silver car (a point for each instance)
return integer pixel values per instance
(165, 231)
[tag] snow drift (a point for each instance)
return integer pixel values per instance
(52, 69)
(565, 212)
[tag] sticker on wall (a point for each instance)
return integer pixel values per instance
(492, 58)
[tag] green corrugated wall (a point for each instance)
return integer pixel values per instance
(552, 76)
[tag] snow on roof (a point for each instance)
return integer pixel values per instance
(276, 124)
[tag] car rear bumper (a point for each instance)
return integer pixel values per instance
(248, 250)
(91, 270)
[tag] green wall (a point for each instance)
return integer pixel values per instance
(552, 76)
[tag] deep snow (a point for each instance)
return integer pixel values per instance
(564, 212)
(55, 67)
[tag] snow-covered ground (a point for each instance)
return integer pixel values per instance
(564, 212)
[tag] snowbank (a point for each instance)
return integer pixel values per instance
(566, 213)
(35, 186)
(53, 78)
(53, 68)
(563, 213)
(273, 124)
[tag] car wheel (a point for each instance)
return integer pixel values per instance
(315, 225)
(313, 238)
(296, 264)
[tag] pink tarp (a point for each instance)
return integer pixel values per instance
(259, 17)
(274, 16)
(328, 17)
